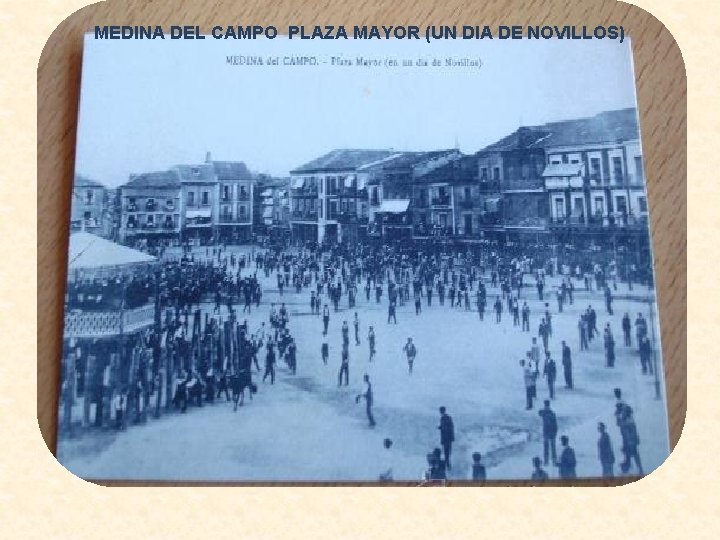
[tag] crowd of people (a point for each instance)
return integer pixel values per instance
(207, 352)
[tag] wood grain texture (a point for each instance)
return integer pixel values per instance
(662, 102)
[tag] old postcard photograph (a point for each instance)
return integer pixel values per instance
(360, 261)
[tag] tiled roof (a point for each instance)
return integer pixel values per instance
(463, 169)
(203, 173)
(84, 181)
(605, 127)
(158, 179)
(405, 160)
(231, 170)
(343, 160)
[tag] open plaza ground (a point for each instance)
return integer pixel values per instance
(306, 428)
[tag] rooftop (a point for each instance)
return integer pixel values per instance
(605, 127)
(84, 181)
(343, 160)
(157, 179)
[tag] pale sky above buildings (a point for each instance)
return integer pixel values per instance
(147, 105)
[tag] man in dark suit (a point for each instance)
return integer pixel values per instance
(447, 434)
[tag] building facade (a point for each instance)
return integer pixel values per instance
(89, 210)
(329, 196)
(151, 208)
(196, 204)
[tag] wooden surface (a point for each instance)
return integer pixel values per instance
(662, 102)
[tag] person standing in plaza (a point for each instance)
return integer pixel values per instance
(529, 378)
(498, 309)
(609, 343)
(479, 473)
(325, 352)
(371, 343)
(539, 474)
(605, 452)
(608, 299)
(345, 330)
(525, 317)
(391, 312)
(326, 319)
(550, 429)
(367, 394)
(567, 462)
(567, 365)
(630, 439)
(411, 352)
(344, 366)
(269, 362)
(626, 328)
(550, 374)
(447, 435)
(356, 324)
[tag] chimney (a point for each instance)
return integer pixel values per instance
(208, 157)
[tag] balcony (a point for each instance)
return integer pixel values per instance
(150, 206)
(131, 207)
(572, 182)
(305, 192)
(530, 223)
(440, 201)
(536, 184)
(233, 220)
(299, 215)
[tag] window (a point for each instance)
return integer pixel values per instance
(496, 174)
(642, 204)
(243, 193)
(579, 207)
(87, 215)
(617, 169)
(205, 197)
(595, 169)
(468, 224)
(467, 194)
(574, 161)
(191, 198)
(564, 158)
(555, 162)
(483, 174)
(89, 196)
(151, 220)
(241, 211)
(374, 199)
(226, 193)
(599, 206)
(320, 211)
(170, 204)
(131, 204)
(621, 204)
(195, 171)
(639, 168)
(559, 208)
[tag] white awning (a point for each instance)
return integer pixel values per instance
(394, 206)
(267, 212)
(349, 181)
(268, 221)
(266, 193)
(562, 169)
(203, 213)
(298, 182)
(362, 181)
(88, 251)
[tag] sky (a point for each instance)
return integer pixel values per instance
(147, 105)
